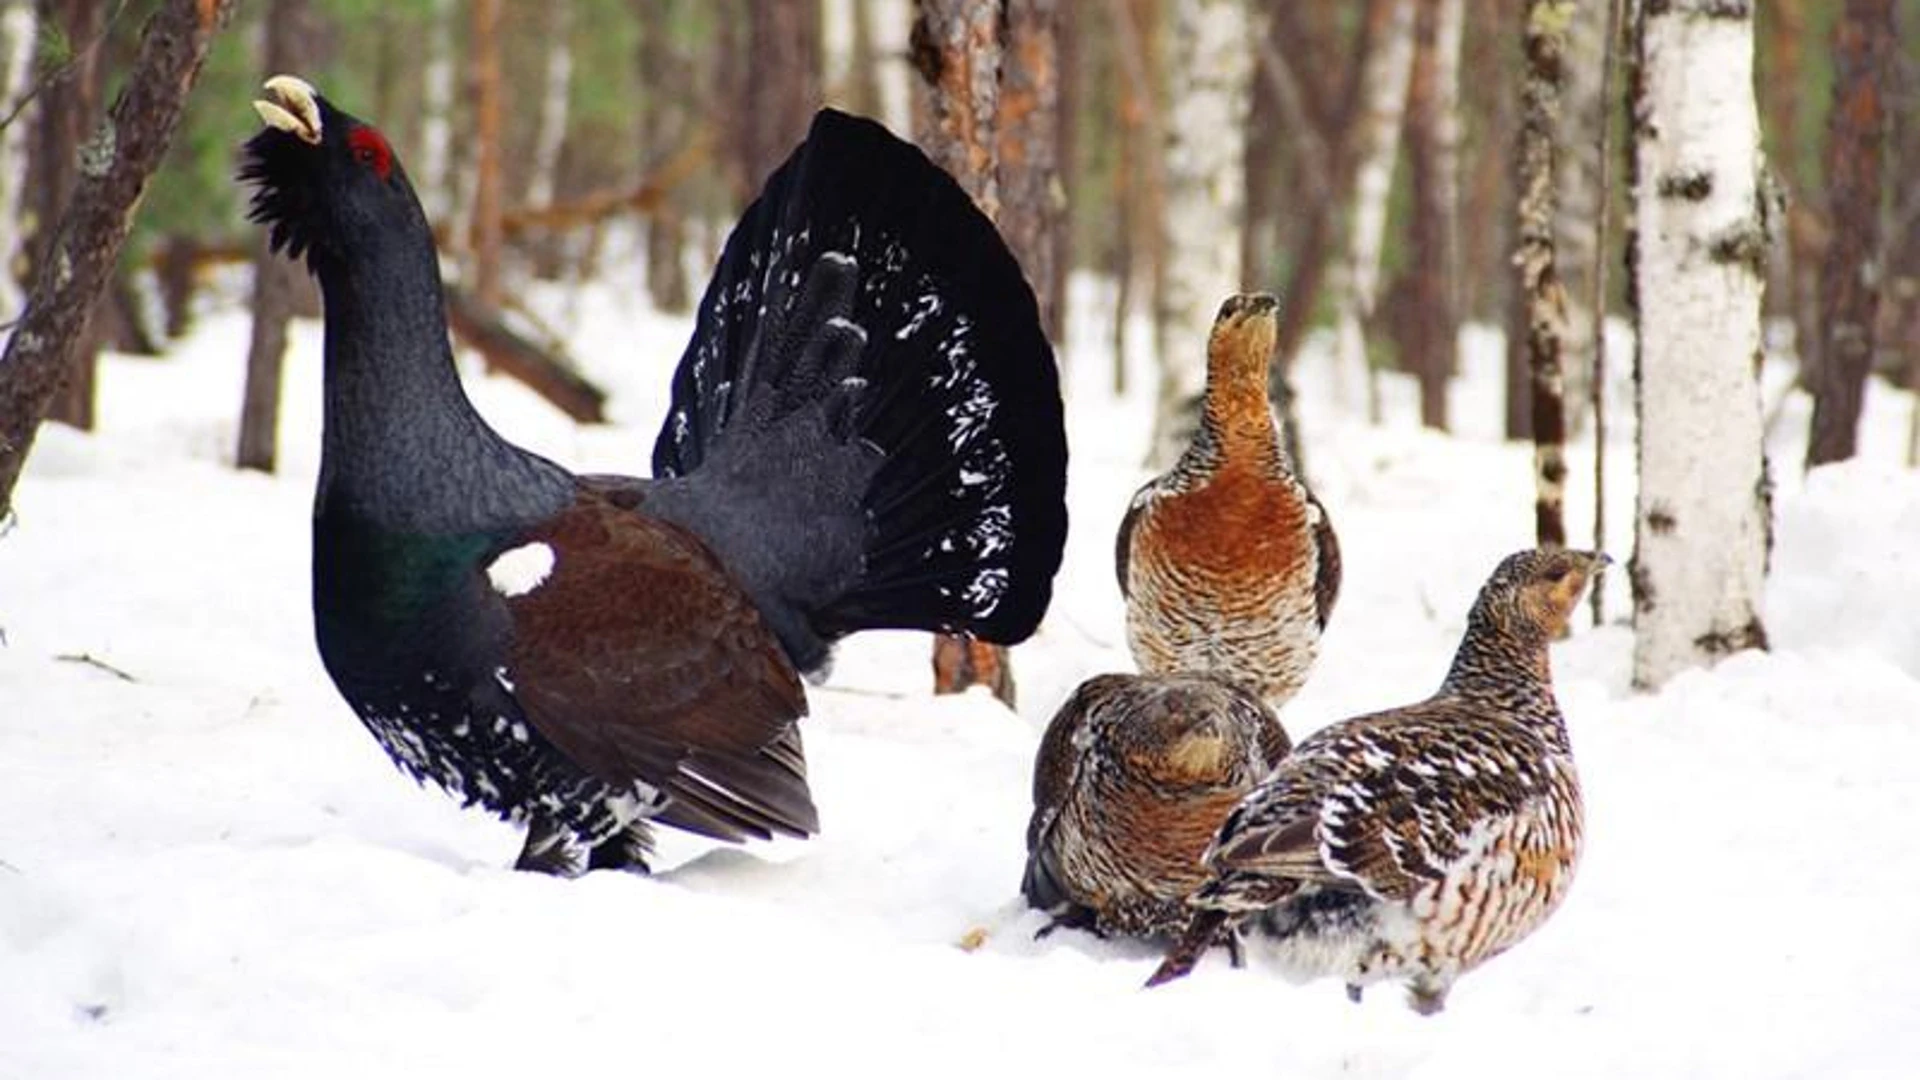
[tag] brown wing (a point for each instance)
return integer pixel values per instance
(1326, 581)
(640, 658)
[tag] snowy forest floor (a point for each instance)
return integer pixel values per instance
(208, 869)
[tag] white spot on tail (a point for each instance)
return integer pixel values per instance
(519, 571)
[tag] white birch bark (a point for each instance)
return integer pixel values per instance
(1389, 65)
(1209, 67)
(553, 103)
(16, 64)
(436, 187)
(1701, 521)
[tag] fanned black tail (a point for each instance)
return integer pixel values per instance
(867, 423)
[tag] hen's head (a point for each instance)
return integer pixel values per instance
(1532, 594)
(326, 184)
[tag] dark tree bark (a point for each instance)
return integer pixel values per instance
(483, 44)
(782, 84)
(1863, 54)
(1067, 156)
(277, 280)
(67, 111)
(1031, 212)
(1545, 46)
(957, 50)
(666, 83)
(1429, 349)
(1331, 119)
(114, 173)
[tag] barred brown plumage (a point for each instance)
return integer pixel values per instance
(1227, 562)
(1133, 777)
(1418, 842)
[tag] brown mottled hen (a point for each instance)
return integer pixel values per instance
(1227, 562)
(1419, 842)
(1133, 778)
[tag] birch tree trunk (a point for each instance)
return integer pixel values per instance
(1863, 53)
(957, 49)
(1699, 246)
(1384, 90)
(1546, 302)
(114, 172)
(1209, 67)
(17, 29)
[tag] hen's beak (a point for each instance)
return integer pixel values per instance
(295, 109)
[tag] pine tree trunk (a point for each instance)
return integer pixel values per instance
(1546, 302)
(484, 229)
(783, 84)
(1323, 144)
(87, 241)
(666, 82)
(1434, 139)
(1210, 67)
(276, 279)
(1389, 65)
(958, 50)
(66, 113)
(1066, 155)
(1032, 213)
(1577, 192)
(1699, 248)
(1863, 55)
(17, 29)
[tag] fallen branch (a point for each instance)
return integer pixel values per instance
(91, 660)
(543, 370)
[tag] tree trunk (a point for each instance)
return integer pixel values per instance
(1546, 312)
(39, 354)
(483, 44)
(276, 279)
(436, 183)
(17, 32)
(1863, 55)
(1066, 155)
(1321, 106)
(551, 134)
(783, 84)
(957, 49)
(666, 82)
(1210, 67)
(1699, 249)
(67, 110)
(1577, 191)
(1433, 102)
(1389, 64)
(1139, 178)
(1032, 211)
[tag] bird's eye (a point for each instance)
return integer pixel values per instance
(370, 149)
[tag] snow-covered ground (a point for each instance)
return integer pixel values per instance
(208, 869)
